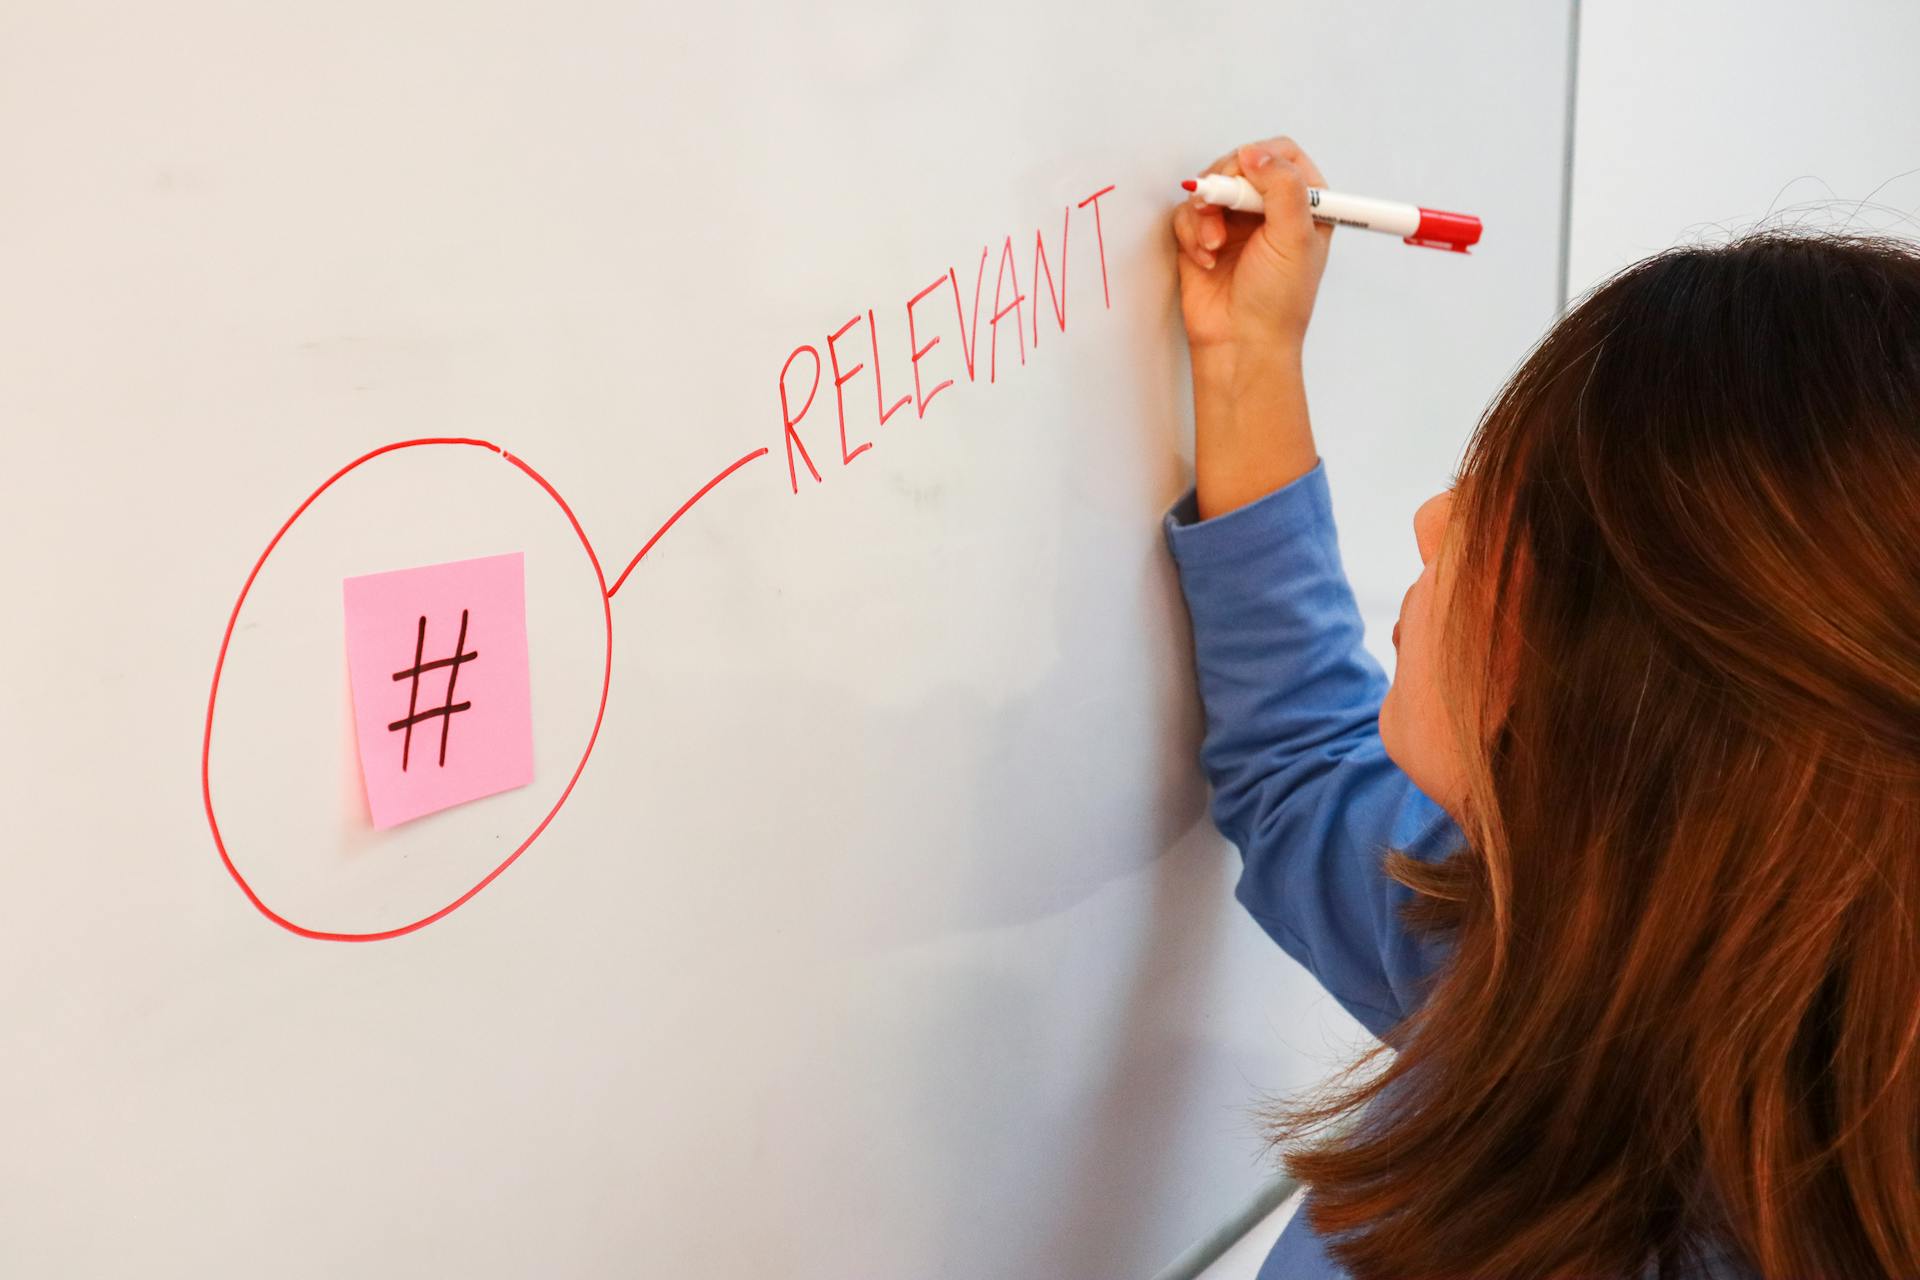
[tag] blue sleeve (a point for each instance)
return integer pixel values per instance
(1301, 783)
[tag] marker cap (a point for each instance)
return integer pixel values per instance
(1441, 230)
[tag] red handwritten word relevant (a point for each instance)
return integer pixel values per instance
(1007, 274)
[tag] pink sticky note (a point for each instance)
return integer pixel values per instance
(437, 657)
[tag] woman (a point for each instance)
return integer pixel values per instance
(1625, 865)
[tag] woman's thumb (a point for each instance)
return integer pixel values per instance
(1282, 188)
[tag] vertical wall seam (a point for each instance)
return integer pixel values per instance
(1566, 149)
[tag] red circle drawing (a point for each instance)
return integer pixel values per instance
(213, 694)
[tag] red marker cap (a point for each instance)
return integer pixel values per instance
(1441, 230)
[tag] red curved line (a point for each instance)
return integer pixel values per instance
(226, 638)
(684, 507)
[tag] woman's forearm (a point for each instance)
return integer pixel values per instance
(1251, 431)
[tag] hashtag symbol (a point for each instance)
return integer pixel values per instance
(446, 709)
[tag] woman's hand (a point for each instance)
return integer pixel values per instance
(1249, 279)
(1247, 285)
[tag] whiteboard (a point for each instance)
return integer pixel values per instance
(874, 925)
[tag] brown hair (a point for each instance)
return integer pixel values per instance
(1683, 660)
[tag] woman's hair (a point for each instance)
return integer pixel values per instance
(1682, 657)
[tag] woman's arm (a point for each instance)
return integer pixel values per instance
(1247, 287)
(1301, 783)
(1251, 434)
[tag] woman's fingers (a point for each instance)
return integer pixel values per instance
(1209, 228)
(1187, 231)
(1203, 230)
(1287, 150)
(1211, 219)
(1212, 227)
(1202, 227)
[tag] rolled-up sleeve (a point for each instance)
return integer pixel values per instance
(1301, 783)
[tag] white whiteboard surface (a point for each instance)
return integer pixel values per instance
(884, 933)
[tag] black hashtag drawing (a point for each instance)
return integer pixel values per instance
(446, 709)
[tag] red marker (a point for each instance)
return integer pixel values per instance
(1431, 227)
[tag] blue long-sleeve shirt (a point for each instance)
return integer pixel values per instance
(1301, 782)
